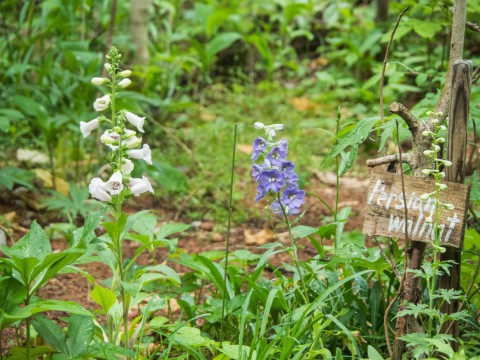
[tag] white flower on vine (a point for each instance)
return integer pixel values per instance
(111, 139)
(102, 103)
(114, 185)
(448, 206)
(125, 73)
(139, 186)
(98, 189)
(87, 127)
(144, 153)
(135, 120)
(99, 80)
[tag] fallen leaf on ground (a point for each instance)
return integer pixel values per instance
(259, 238)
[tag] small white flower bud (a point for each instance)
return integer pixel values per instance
(442, 127)
(441, 174)
(117, 129)
(129, 133)
(102, 103)
(440, 114)
(447, 162)
(441, 186)
(428, 152)
(259, 125)
(448, 206)
(435, 121)
(425, 196)
(440, 140)
(125, 73)
(426, 171)
(99, 80)
(108, 66)
(426, 133)
(429, 220)
(125, 83)
(133, 142)
(429, 113)
(437, 148)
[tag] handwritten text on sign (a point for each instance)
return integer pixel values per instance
(385, 212)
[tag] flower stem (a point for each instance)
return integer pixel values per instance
(293, 251)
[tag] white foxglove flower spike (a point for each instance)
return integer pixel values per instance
(144, 153)
(139, 186)
(87, 127)
(135, 120)
(98, 190)
(102, 103)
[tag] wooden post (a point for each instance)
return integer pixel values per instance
(456, 150)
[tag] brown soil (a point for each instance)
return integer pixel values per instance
(202, 236)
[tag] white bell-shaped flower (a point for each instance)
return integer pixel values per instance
(102, 103)
(135, 120)
(139, 186)
(127, 166)
(132, 142)
(124, 83)
(87, 127)
(144, 153)
(114, 185)
(98, 189)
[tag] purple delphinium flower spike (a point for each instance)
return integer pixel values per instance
(288, 173)
(259, 146)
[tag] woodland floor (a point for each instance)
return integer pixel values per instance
(202, 236)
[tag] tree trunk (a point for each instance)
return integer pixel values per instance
(139, 14)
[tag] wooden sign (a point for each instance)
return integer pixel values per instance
(385, 212)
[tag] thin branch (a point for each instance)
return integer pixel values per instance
(387, 53)
(405, 114)
(476, 75)
(389, 159)
(390, 261)
(473, 26)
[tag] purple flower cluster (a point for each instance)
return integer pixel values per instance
(276, 174)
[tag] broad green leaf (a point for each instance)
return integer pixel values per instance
(233, 351)
(145, 225)
(56, 305)
(170, 229)
(190, 336)
(20, 353)
(86, 233)
(373, 354)
(103, 297)
(35, 244)
(10, 176)
(303, 231)
(50, 331)
(107, 351)
(167, 271)
(475, 191)
(375, 301)
(80, 334)
(426, 29)
(355, 137)
(221, 42)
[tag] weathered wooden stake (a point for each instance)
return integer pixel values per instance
(456, 150)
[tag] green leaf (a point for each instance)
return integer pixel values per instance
(354, 137)
(190, 336)
(167, 271)
(303, 231)
(221, 42)
(108, 351)
(373, 354)
(413, 309)
(145, 225)
(169, 229)
(103, 297)
(51, 332)
(10, 176)
(33, 245)
(426, 29)
(80, 334)
(20, 353)
(475, 191)
(375, 301)
(56, 305)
